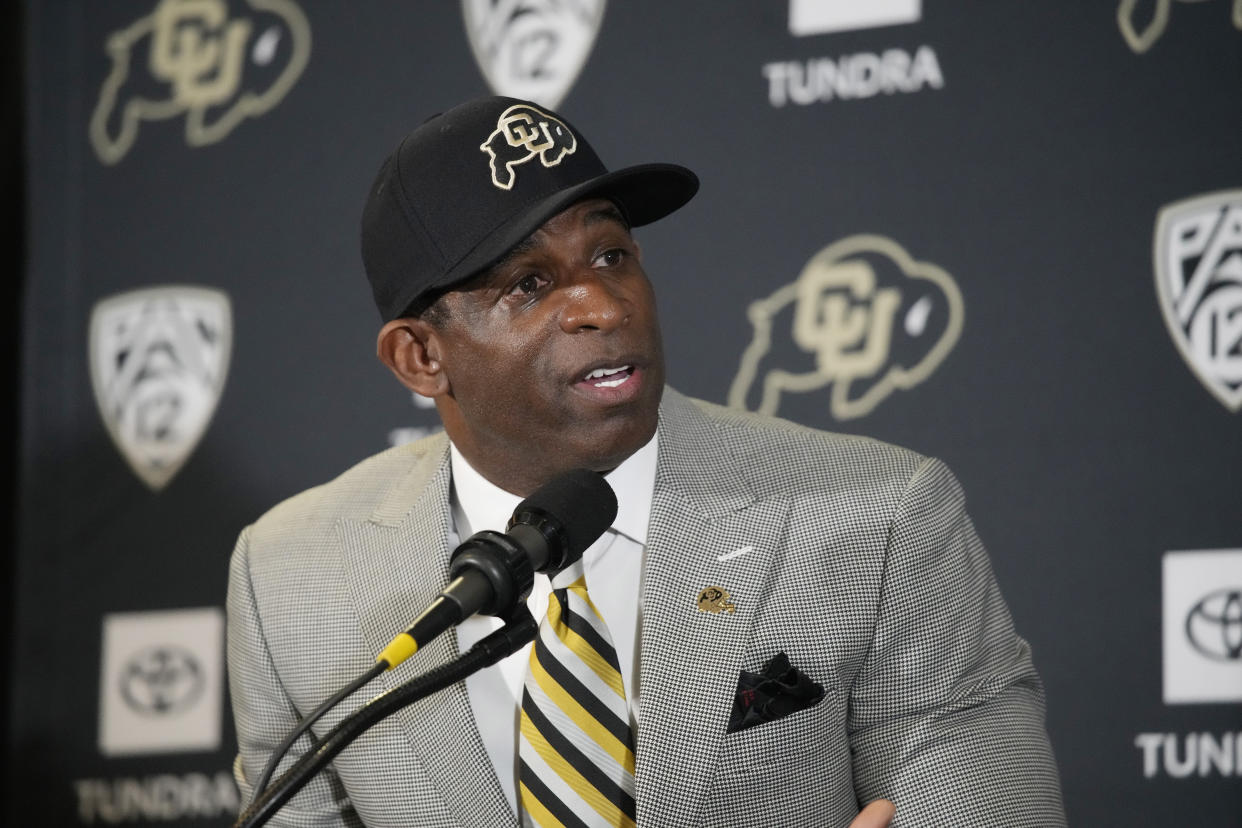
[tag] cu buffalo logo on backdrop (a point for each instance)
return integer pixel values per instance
(522, 133)
(158, 360)
(1198, 267)
(862, 319)
(1142, 22)
(217, 62)
(532, 49)
(162, 680)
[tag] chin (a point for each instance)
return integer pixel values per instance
(611, 453)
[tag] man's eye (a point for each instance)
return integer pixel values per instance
(610, 258)
(528, 284)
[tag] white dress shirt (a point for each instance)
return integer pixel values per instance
(613, 568)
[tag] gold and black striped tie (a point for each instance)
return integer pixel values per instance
(576, 748)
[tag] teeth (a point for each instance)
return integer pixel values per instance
(600, 373)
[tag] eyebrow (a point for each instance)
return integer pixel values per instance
(524, 246)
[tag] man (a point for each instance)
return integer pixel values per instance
(803, 623)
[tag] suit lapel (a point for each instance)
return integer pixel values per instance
(396, 563)
(691, 659)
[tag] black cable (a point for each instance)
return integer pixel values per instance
(316, 714)
(515, 634)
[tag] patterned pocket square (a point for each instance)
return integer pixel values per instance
(779, 690)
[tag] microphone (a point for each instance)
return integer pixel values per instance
(492, 571)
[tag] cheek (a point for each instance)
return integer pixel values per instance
(646, 300)
(652, 318)
(501, 374)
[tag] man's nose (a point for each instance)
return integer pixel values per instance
(593, 302)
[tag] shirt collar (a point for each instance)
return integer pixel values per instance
(479, 504)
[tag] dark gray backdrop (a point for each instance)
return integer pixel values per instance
(1086, 445)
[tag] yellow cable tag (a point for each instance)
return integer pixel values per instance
(398, 650)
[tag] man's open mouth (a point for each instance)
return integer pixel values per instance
(609, 377)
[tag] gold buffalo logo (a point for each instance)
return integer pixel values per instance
(863, 317)
(1141, 37)
(193, 58)
(523, 132)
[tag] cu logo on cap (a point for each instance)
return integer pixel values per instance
(521, 133)
(162, 680)
(1214, 625)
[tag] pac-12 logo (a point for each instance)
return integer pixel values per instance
(158, 359)
(196, 58)
(532, 49)
(863, 317)
(1198, 264)
(521, 133)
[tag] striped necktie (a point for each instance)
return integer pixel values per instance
(576, 747)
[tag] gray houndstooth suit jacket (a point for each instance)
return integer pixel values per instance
(860, 564)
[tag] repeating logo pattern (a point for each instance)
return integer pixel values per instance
(523, 132)
(1198, 265)
(863, 317)
(158, 797)
(856, 75)
(195, 58)
(532, 49)
(1214, 625)
(852, 77)
(811, 17)
(158, 360)
(161, 681)
(1141, 35)
(1202, 626)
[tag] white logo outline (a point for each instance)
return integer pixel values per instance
(1140, 42)
(182, 67)
(543, 135)
(158, 404)
(778, 381)
(1177, 313)
(532, 49)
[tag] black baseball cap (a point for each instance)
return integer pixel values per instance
(469, 184)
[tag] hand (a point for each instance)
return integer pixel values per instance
(878, 814)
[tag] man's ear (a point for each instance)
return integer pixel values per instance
(410, 348)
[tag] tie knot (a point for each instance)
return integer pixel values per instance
(570, 576)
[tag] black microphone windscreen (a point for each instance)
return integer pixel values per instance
(583, 503)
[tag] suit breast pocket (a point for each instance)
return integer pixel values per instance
(787, 771)
(817, 731)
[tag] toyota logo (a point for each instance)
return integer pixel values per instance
(162, 680)
(1214, 625)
